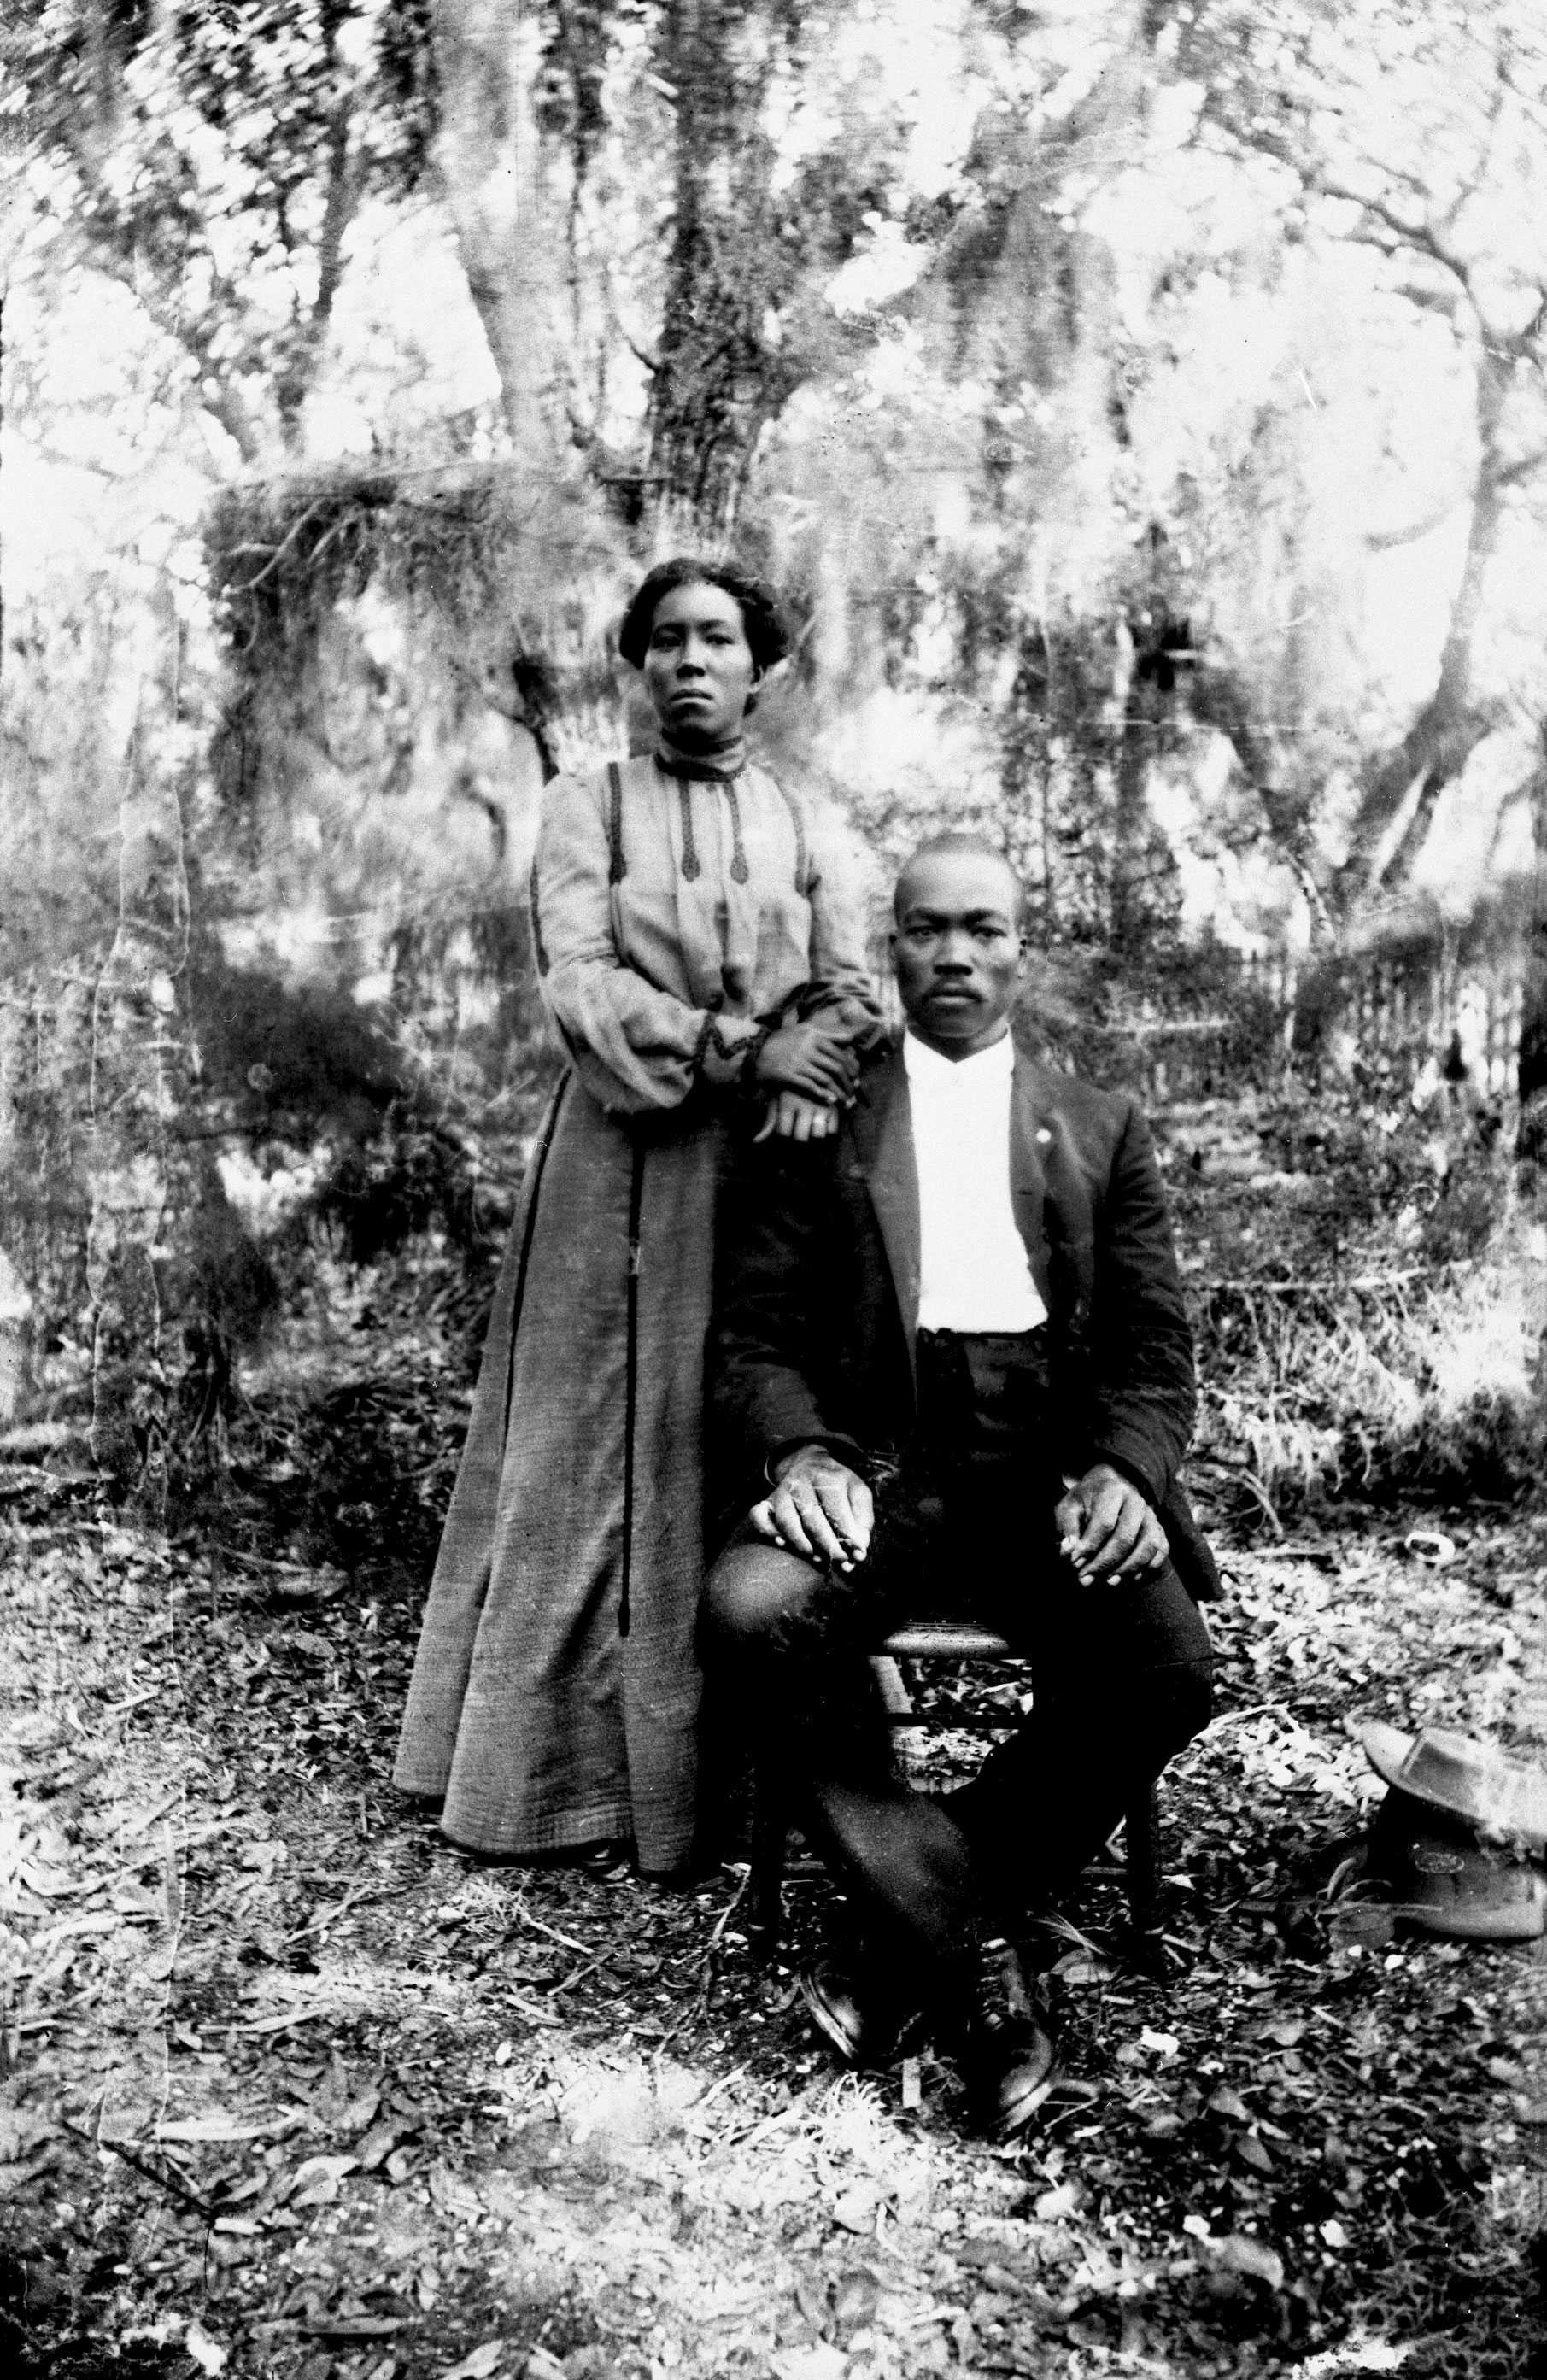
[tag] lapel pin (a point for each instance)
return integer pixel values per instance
(1042, 1133)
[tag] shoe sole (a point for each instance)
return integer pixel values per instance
(838, 2037)
(1014, 2119)
(834, 2033)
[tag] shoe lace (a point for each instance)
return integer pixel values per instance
(1002, 1995)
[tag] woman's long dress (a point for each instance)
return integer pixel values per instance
(555, 1690)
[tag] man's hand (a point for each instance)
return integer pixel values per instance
(792, 1117)
(820, 1510)
(1107, 1530)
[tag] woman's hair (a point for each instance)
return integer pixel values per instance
(760, 616)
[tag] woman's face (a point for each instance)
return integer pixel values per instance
(699, 669)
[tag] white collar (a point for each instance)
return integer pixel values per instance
(932, 1073)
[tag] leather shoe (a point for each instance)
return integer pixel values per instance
(861, 2022)
(1006, 2056)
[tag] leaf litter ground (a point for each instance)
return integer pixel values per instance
(293, 2087)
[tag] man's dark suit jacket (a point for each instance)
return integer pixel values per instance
(817, 1295)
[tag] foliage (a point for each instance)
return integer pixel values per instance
(213, 157)
(1141, 407)
(1369, 1304)
(294, 2077)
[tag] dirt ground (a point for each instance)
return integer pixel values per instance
(293, 2088)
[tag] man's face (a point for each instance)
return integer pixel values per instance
(958, 949)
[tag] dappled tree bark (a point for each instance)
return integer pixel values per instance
(200, 155)
(1531, 1141)
(139, 1063)
(709, 391)
(1218, 699)
(498, 182)
(1451, 724)
(310, 337)
(1267, 82)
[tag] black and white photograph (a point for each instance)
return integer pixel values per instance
(773, 1189)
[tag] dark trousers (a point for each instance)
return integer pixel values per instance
(965, 1530)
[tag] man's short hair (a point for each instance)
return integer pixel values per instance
(958, 839)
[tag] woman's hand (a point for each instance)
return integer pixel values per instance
(790, 1117)
(806, 1058)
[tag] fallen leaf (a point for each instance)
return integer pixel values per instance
(20, 2131)
(1077, 1967)
(1230, 2104)
(354, 2325)
(809, 2364)
(315, 2180)
(280, 2022)
(54, 1884)
(357, 2114)
(1239, 2253)
(856, 2297)
(458, 2197)
(484, 2359)
(1165, 2044)
(372, 2150)
(207, 2353)
(1054, 2206)
(1254, 2153)
(856, 2209)
(210, 2128)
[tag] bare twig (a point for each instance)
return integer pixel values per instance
(167, 2181)
(247, 585)
(540, 1925)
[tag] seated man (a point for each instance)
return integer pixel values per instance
(951, 1363)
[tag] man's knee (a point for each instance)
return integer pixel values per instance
(1184, 1702)
(752, 1590)
(1158, 1656)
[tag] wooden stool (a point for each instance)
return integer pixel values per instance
(937, 1640)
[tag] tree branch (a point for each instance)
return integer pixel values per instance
(1385, 541)
(338, 206)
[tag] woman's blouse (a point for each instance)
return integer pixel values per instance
(670, 914)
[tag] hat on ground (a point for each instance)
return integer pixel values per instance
(1468, 1779)
(1464, 1890)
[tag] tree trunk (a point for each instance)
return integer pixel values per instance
(300, 369)
(1531, 1140)
(1218, 700)
(495, 176)
(1440, 740)
(137, 1068)
(716, 382)
(1142, 705)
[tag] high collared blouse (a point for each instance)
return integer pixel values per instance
(672, 914)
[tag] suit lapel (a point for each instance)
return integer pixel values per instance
(884, 1136)
(1029, 1136)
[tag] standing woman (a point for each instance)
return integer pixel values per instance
(700, 947)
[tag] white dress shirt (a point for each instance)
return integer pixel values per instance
(974, 1272)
